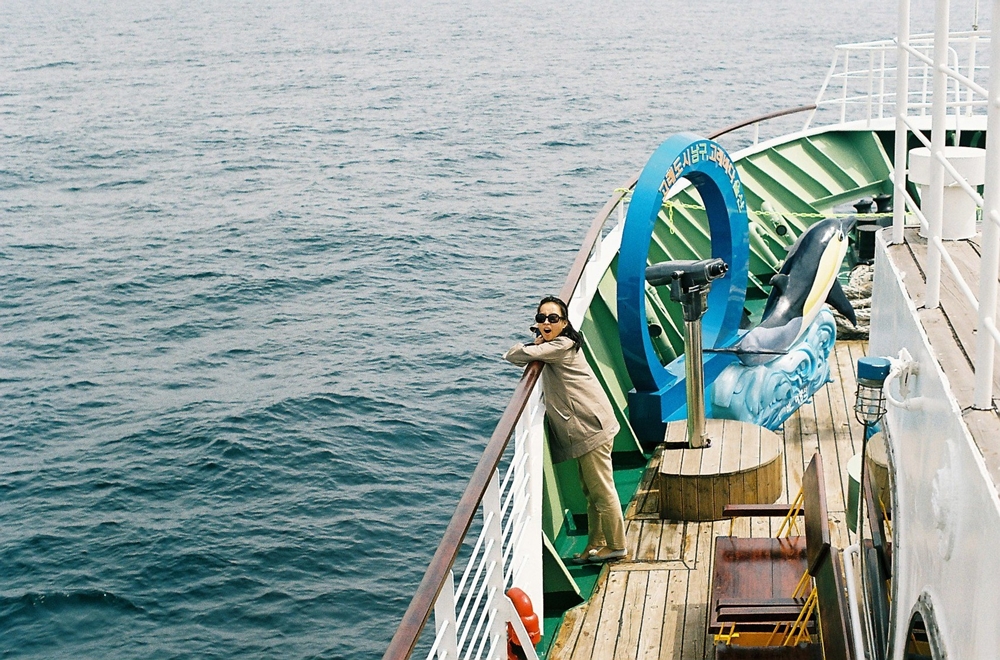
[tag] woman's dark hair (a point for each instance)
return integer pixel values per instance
(569, 330)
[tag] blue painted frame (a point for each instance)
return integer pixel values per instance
(659, 394)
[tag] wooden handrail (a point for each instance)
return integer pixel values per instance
(755, 120)
(419, 611)
(416, 616)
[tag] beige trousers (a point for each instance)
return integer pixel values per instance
(605, 523)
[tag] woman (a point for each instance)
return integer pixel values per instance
(582, 424)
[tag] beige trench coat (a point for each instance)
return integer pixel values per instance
(580, 415)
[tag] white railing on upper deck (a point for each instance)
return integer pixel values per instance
(862, 82)
(954, 90)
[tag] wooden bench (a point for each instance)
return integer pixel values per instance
(754, 581)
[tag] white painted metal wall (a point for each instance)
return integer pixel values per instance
(946, 523)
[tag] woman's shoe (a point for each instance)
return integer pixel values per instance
(607, 554)
(585, 556)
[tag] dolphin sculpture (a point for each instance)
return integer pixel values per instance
(807, 279)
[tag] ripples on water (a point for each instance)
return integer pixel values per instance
(257, 266)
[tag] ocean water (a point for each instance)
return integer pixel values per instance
(258, 262)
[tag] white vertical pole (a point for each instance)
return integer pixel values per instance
(871, 84)
(957, 64)
(990, 263)
(902, 103)
(526, 559)
(923, 98)
(935, 192)
(843, 99)
(493, 531)
(881, 85)
(971, 95)
(444, 617)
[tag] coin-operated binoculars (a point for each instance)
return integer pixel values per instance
(690, 282)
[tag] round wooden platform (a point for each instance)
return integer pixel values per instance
(742, 466)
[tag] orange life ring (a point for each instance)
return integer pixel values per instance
(530, 620)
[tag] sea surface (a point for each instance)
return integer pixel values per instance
(258, 262)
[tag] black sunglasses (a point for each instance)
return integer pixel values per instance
(551, 318)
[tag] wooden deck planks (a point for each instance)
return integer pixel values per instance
(649, 541)
(632, 534)
(606, 637)
(672, 631)
(960, 314)
(653, 616)
(696, 612)
(583, 647)
(632, 617)
(671, 541)
(656, 604)
(646, 495)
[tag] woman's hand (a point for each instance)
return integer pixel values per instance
(539, 340)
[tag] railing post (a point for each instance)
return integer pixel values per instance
(923, 98)
(843, 100)
(985, 345)
(935, 192)
(444, 618)
(881, 85)
(493, 531)
(957, 139)
(871, 84)
(973, 41)
(526, 558)
(902, 108)
(519, 630)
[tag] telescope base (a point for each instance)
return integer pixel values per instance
(741, 466)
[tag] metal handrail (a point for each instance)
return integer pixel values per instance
(404, 641)
(757, 120)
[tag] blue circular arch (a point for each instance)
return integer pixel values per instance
(659, 392)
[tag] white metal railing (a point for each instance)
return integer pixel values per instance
(947, 64)
(470, 618)
(864, 78)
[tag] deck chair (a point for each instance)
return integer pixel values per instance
(766, 591)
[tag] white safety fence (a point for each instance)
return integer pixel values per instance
(863, 79)
(470, 618)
